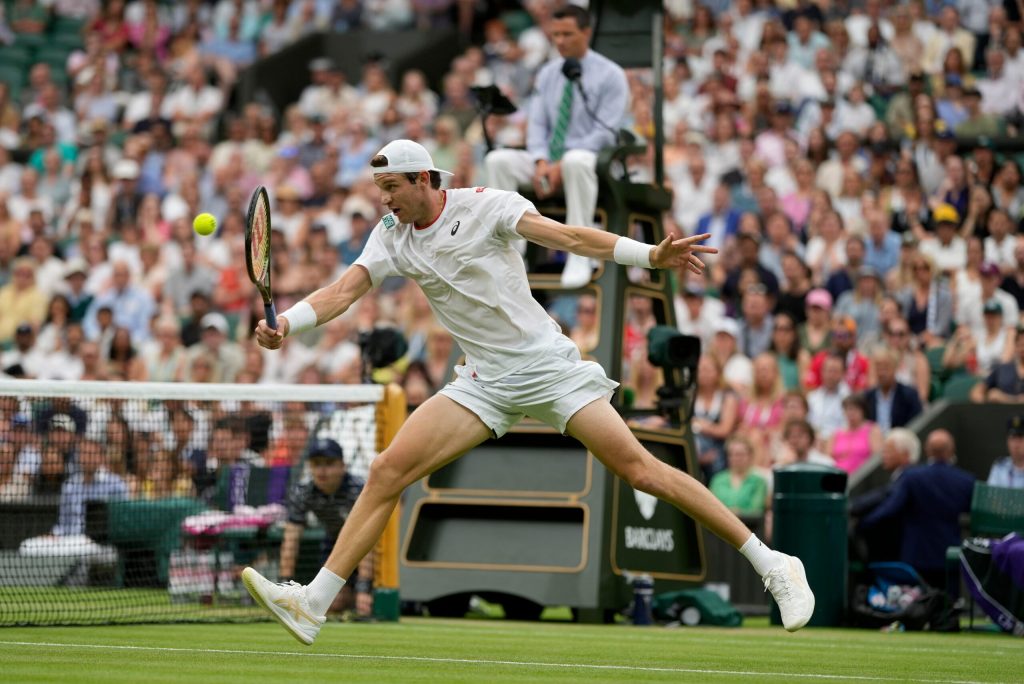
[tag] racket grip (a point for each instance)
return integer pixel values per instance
(270, 311)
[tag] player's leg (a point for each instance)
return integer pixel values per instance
(437, 432)
(600, 428)
(508, 169)
(579, 180)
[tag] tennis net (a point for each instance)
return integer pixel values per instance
(142, 502)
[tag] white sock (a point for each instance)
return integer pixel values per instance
(760, 556)
(321, 591)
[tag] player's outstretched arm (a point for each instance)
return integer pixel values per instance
(598, 244)
(317, 308)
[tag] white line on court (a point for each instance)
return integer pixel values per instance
(474, 661)
(784, 641)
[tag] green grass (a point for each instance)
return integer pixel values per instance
(436, 650)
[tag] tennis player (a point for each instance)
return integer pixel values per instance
(458, 246)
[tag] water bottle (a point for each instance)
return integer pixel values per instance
(643, 591)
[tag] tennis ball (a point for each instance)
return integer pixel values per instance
(204, 224)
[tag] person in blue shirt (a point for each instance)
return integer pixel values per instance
(92, 482)
(1009, 471)
(133, 307)
(570, 121)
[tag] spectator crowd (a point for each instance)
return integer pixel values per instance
(856, 162)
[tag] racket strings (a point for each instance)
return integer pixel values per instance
(260, 245)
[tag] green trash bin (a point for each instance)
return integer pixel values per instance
(809, 513)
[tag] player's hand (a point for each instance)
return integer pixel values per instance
(364, 604)
(269, 338)
(681, 252)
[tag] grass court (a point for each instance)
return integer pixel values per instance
(468, 650)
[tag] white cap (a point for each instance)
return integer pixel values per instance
(76, 265)
(727, 325)
(126, 169)
(214, 320)
(406, 156)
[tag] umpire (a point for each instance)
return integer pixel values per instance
(329, 496)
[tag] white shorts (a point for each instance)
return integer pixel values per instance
(551, 390)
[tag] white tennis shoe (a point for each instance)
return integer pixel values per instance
(788, 584)
(287, 603)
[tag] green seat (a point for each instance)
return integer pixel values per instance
(934, 356)
(996, 511)
(30, 40)
(55, 56)
(15, 55)
(958, 387)
(12, 75)
(67, 25)
(139, 525)
(67, 41)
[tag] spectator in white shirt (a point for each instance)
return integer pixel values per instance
(999, 89)
(947, 249)
(825, 404)
(969, 309)
(853, 113)
(1001, 241)
(694, 189)
(194, 102)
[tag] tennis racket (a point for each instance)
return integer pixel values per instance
(257, 250)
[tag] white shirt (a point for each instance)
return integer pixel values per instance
(467, 265)
(1001, 253)
(825, 409)
(192, 103)
(951, 257)
(970, 313)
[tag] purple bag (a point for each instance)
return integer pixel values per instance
(993, 571)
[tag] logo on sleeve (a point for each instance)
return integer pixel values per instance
(455, 228)
(388, 221)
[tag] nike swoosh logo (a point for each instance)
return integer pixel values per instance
(455, 228)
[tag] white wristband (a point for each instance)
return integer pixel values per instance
(301, 318)
(629, 252)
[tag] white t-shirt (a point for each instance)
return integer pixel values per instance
(467, 265)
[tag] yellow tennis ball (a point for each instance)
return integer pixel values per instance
(204, 224)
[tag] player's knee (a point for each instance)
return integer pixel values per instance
(644, 475)
(387, 477)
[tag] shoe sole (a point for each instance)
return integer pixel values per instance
(803, 578)
(250, 584)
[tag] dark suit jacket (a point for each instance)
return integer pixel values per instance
(906, 404)
(926, 502)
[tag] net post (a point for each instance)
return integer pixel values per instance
(391, 413)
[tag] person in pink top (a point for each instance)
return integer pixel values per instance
(761, 412)
(851, 446)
